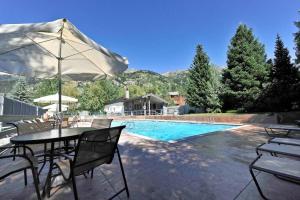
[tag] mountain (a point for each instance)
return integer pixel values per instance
(153, 82)
(139, 82)
(179, 77)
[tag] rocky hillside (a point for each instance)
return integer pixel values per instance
(144, 81)
(160, 83)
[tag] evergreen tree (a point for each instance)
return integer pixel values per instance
(45, 87)
(201, 87)
(281, 93)
(215, 87)
(297, 42)
(246, 70)
(21, 91)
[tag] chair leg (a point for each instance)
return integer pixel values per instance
(257, 185)
(45, 158)
(36, 183)
(74, 186)
(92, 173)
(15, 152)
(123, 173)
(44, 163)
(38, 177)
(85, 174)
(25, 176)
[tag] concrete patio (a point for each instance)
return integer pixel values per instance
(214, 166)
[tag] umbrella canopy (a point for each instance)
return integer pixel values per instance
(34, 50)
(54, 107)
(54, 99)
(55, 48)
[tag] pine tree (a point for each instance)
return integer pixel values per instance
(45, 87)
(246, 70)
(284, 77)
(21, 91)
(201, 87)
(297, 42)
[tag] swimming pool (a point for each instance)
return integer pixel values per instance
(169, 130)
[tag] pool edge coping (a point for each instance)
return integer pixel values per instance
(186, 138)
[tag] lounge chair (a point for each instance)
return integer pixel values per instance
(283, 149)
(283, 167)
(289, 141)
(281, 130)
(20, 162)
(94, 148)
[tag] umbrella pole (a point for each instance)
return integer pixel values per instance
(59, 71)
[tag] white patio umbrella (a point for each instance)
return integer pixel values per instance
(55, 48)
(54, 99)
(54, 107)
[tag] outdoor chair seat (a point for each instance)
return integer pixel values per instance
(18, 163)
(14, 163)
(65, 167)
(289, 141)
(281, 167)
(289, 150)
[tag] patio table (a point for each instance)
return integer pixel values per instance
(50, 136)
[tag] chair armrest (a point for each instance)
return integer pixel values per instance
(19, 156)
(12, 123)
(13, 147)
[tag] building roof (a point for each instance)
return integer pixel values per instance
(153, 98)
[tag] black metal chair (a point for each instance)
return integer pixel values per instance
(20, 162)
(101, 123)
(30, 127)
(94, 148)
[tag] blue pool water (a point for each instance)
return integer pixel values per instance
(169, 131)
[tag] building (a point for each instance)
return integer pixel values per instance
(178, 99)
(148, 104)
(115, 107)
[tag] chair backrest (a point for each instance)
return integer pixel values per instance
(45, 126)
(101, 123)
(27, 128)
(64, 122)
(95, 148)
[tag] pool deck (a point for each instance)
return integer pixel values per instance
(213, 166)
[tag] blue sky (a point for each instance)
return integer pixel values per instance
(161, 35)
